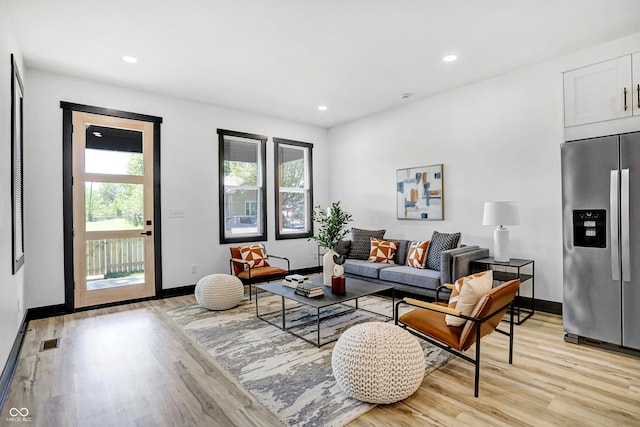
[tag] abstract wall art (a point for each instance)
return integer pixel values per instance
(420, 193)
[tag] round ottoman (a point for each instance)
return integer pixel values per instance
(219, 291)
(378, 363)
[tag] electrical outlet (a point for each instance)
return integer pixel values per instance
(194, 268)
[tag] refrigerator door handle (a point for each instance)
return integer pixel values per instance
(613, 220)
(624, 229)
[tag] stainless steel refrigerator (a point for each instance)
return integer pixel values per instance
(601, 236)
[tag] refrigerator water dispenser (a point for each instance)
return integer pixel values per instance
(589, 228)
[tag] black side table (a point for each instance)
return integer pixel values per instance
(512, 270)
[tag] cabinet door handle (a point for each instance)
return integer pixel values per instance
(625, 99)
(638, 97)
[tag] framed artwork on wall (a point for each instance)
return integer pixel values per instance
(420, 193)
(17, 225)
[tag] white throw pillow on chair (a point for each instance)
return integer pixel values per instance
(472, 289)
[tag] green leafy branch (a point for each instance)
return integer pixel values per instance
(332, 222)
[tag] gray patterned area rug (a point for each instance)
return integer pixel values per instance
(289, 376)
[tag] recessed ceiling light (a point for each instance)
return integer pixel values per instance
(129, 59)
(450, 58)
(322, 107)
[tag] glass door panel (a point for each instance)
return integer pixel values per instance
(112, 206)
(113, 151)
(113, 162)
(113, 209)
(115, 262)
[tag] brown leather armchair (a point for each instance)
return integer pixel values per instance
(250, 275)
(427, 322)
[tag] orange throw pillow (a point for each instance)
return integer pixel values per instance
(382, 251)
(254, 255)
(417, 254)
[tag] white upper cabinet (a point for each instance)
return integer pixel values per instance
(603, 91)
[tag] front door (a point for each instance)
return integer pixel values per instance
(113, 229)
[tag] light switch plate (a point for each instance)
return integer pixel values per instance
(176, 213)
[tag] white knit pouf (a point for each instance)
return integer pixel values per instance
(219, 291)
(378, 363)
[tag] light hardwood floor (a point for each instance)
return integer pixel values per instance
(132, 366)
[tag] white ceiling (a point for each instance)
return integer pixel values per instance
(283, 58)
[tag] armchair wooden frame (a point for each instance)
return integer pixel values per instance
(251, 275)
(486, 322)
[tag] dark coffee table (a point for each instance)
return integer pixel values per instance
(355, 288)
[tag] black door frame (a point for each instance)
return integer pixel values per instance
(67, 192)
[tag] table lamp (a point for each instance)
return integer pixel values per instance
(500, 214)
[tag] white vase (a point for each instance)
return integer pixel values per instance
(327, 266)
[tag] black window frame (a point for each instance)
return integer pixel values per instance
(276, 182)
(262, 175)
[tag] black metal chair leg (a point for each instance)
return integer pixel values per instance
(477, 363)
(511, 334)
(395, 312)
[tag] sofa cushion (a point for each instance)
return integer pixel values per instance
(361, 242)
(422, 278)
(364, 268)
(440, 242)
(382, 251)
(417, 255)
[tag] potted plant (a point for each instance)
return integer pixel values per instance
(331, 231)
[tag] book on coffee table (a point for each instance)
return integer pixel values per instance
(309, 290)
(312, 294)
(296, 278)
(293, 285)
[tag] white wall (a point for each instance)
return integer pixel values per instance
(11, 286)
(189, 168)
(498, 139)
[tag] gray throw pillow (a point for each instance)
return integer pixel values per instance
(440, 242)
(361, 242)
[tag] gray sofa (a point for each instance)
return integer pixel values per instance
(454, 264)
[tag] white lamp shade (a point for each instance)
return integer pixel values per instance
(500, 213)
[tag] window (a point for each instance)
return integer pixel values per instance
(294, 189)
(242, 186)
(250, 207)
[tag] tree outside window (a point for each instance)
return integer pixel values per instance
(294, 189)
(242, 177)
(112, 205)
